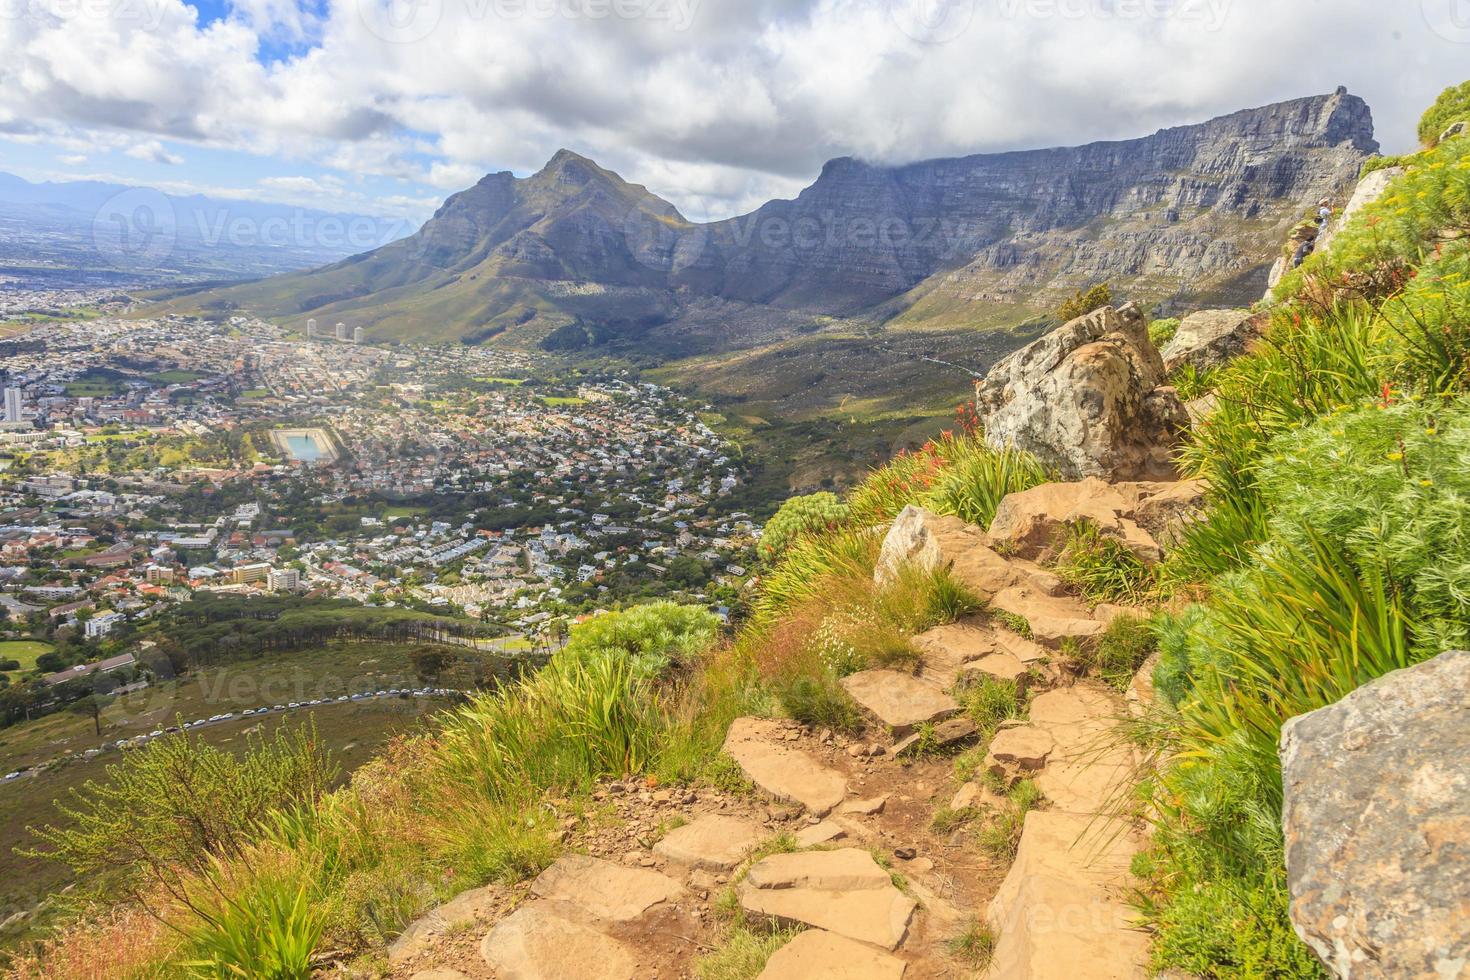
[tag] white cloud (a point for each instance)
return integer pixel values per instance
(715, 104)
(154, 152)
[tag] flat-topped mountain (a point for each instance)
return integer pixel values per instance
(573, 254)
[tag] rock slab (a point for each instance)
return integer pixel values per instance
(842, 891)
(1377, 824)
(900, 701)
(785, 772)
(713, 842)
(605, 890)
(820, 955)
(538, 943)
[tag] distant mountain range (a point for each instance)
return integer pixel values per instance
(138, 233)
(573, 255)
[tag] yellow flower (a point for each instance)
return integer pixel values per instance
(1430, 431)
(1395, 456)
(1426, 483)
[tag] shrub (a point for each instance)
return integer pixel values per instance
(973, 945)
(988, 701)
(819, 701)
(654, 635)
(1084, 301)
(799, 517)
(1452, 106)
(1160, 332)
(168, 808)
(742, 953)
(1002, 834)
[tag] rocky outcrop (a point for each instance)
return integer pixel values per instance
(1087, 399)
(1377, 821)
(820, 955)
(1143, 517)
(714, 842)
(1368, 190)
(1208, 338)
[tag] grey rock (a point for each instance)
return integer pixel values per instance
(1087, 399)
(1208, 338)
(1377, 823)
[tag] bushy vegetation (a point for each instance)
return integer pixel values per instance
(800, 516)
(1452, 106)
(1161, 331)
(1085, 301)
(1333, 550)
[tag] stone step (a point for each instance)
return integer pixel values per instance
(1052, 618)
(538, 942)
(713, 842)
(820, 955)
(1069, 747)
(785, 772)
(900, 701)
(604, 890)
(1062, 912)
(842, 891)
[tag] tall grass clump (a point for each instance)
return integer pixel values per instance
(1333, 550)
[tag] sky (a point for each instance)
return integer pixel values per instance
(387, 106)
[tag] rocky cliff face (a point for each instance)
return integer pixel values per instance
(1185, 213)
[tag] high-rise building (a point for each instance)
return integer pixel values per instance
(311, 328)
(12, 404)
(357, 335)
(342, 332)
(284, 579)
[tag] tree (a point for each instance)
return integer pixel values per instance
(429, 663)
(92, 706)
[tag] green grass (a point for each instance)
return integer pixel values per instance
(24, 651)
(973, 945)
(557, 401)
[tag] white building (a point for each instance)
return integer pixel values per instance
(284, 580)
(357, 335)
(311, 328)
(103, 623)
(342, 332)
(12, 405)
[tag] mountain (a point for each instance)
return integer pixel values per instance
(139, 233)
(574, 255)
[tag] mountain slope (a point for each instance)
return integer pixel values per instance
(574, 254)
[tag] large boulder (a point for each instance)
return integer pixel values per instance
(1087, 399)
(1377, 822)
(1369, 189)
(930, 542)
(1208, 338)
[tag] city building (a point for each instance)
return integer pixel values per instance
(102, 624)
(12, 405)
(254, 572)
(357, 335)
(284, 579)
(86, 670)
(311, 328)
(342, 332)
